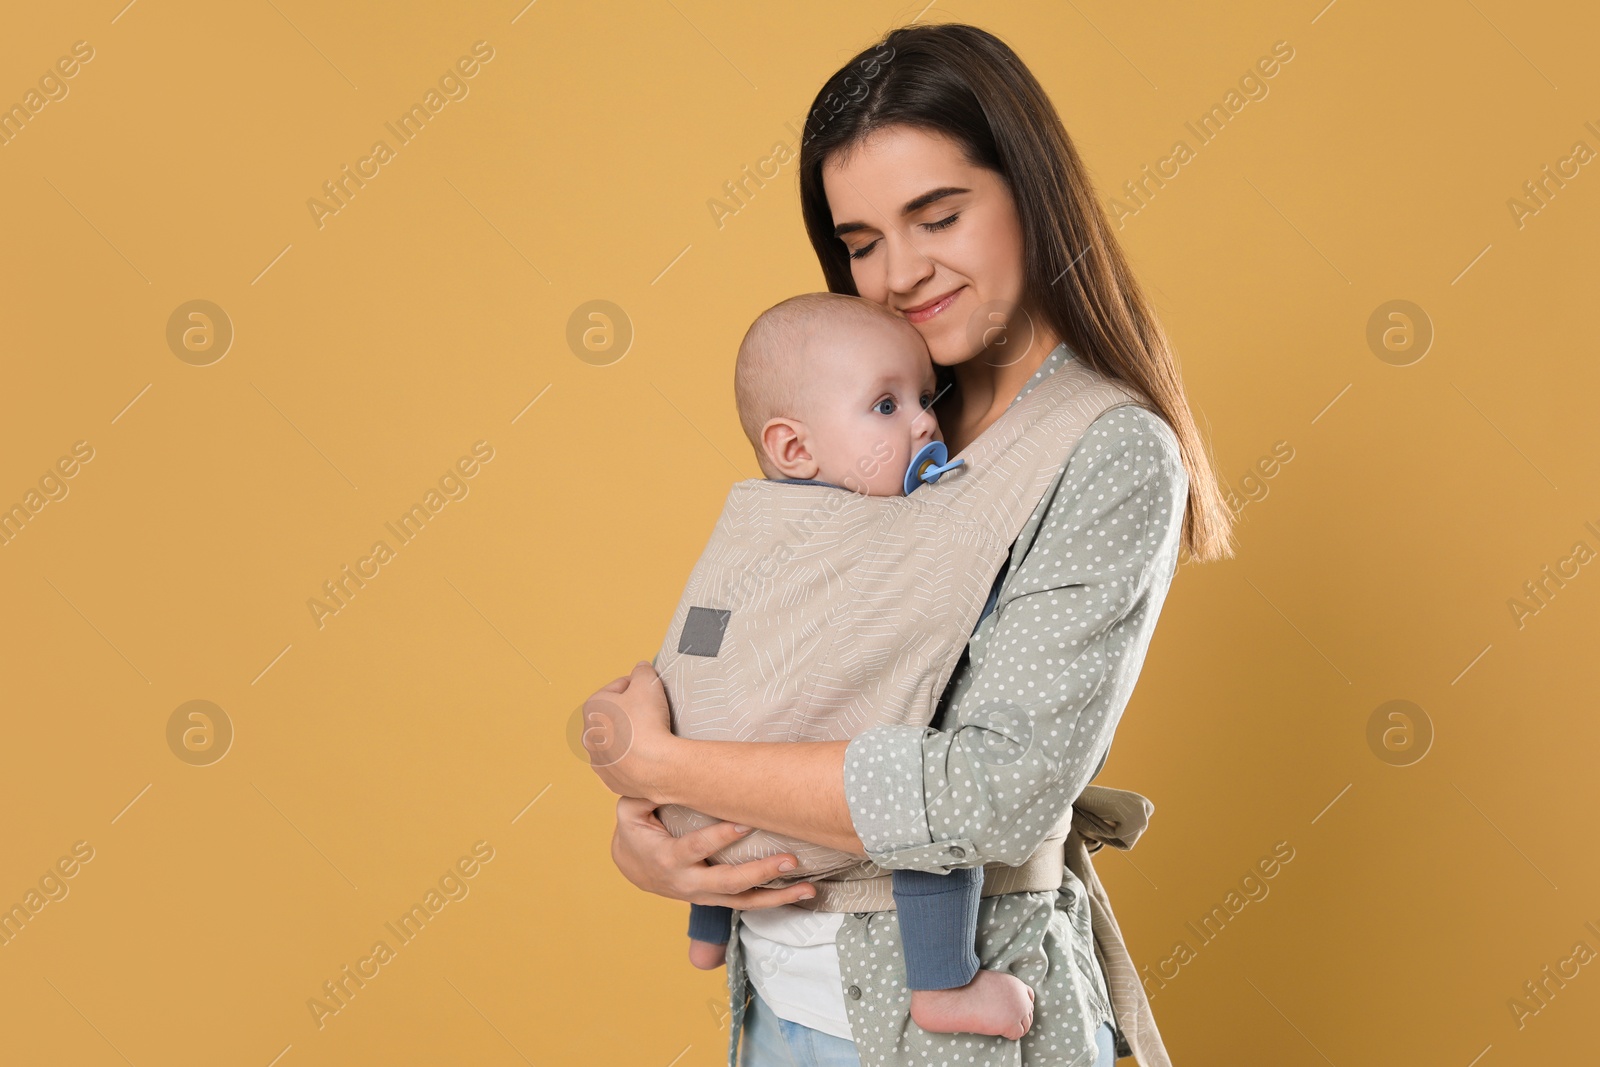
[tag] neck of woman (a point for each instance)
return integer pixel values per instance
(985, 386)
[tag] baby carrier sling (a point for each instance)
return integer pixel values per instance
(815, 612)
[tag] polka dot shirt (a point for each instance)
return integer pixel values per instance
(1023, 726)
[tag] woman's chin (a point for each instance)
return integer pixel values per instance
(948, 347)
(951, 355)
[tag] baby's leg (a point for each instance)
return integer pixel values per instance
(709, 930)
(938, 930)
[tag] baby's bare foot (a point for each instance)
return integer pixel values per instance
(707, 955)
(994, 1002)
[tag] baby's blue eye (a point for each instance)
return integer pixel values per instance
(927, 400)
(879, 406)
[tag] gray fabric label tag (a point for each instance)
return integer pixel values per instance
(702, 631)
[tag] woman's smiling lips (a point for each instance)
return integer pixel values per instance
(924, 312)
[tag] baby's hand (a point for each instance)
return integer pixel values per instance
(707, 955)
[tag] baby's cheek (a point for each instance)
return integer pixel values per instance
(861, 456)
(882, 466)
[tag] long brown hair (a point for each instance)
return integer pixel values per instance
(967, 84)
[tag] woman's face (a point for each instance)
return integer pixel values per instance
(931, 236)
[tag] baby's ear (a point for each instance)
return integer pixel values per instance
(784, 442)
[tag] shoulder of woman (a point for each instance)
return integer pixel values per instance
(1123, 489)
(1130, 446)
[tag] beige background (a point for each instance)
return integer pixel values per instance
(433, 710)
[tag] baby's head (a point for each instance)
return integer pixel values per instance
(838, 389)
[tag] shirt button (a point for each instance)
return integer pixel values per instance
(855, 992)
(956, 851)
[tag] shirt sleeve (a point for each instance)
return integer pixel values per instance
(1050, 670)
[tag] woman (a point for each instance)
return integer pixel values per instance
(937, 180)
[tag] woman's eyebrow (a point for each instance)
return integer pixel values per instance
(913, 205)
(920, 202)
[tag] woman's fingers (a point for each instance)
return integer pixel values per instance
(734, 878)
(735, 883)
(617, 685)
(755, 899)
(643, 672)
(643, 850)
(638, 810)
(651, 858)
(699, 844)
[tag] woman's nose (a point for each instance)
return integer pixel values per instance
(907, 267)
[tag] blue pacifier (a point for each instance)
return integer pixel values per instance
(928, 464)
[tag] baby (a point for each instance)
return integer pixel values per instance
(839, 391)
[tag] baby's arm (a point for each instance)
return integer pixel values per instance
(709, 929)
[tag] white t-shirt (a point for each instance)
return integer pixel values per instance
(791, 959)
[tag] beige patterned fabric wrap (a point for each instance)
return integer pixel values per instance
(1115, 817)
(816, 612)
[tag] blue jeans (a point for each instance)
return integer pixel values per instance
(1105, 1040)
(769, 1041)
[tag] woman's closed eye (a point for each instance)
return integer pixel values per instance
(931, 227)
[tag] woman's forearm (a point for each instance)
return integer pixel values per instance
(794, 788)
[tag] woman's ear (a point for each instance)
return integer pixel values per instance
(785, 443)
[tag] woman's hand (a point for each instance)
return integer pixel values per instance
(628, 733)
(655, 861)
(791, 788)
